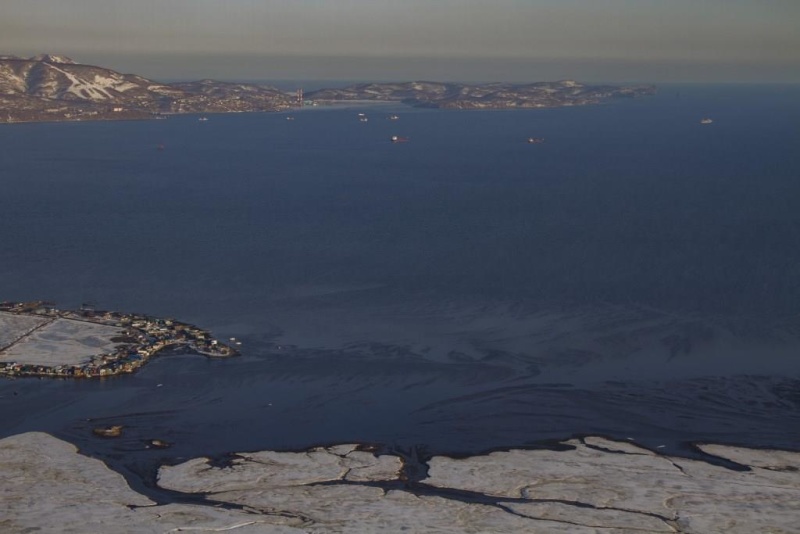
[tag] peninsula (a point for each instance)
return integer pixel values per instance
(483, 96)
(37, 339)
(56, 88)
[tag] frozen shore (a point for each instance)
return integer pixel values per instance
(592, 485)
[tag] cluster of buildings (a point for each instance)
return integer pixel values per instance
(140, 338)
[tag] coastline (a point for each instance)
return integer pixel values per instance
(77, 92)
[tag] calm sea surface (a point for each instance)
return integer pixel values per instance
(636, 275)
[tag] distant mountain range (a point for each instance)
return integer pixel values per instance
(56, 88)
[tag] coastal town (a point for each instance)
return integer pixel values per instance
(37, 339)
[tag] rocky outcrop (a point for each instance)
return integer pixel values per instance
(108, 432)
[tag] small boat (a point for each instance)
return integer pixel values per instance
(706, 120)
(363, 119)
(203, 119)
(393, 117)
(290, 118)
(535, 140)
(398, 139)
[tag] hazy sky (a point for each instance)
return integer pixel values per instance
(513, 40)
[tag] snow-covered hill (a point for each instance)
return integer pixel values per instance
(50, 87)
(58, 77)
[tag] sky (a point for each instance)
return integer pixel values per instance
(459, 40)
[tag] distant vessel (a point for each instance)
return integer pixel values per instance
(203, 119)
(290, 118)
(535, 140)
(398, 139)
(393, 117)
(706, 121)
(363, 119)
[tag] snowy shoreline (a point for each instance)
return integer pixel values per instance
(594, 484)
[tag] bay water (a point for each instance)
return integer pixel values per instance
(636, 275)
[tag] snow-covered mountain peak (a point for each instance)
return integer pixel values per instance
(50, 58)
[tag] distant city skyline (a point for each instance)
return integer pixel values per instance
(465, 40)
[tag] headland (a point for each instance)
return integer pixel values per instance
(36, 339)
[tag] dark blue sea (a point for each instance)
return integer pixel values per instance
(636, 275)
